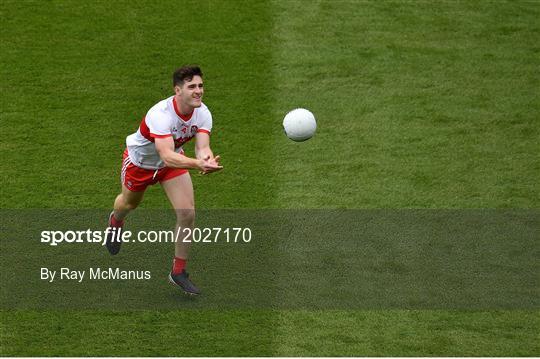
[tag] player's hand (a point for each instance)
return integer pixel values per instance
(210, 165)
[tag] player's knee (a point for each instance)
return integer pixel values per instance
(129, 204)
(185, 215)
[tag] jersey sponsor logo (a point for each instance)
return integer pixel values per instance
(179, 142)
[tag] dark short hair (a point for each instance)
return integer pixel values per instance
(186, 73)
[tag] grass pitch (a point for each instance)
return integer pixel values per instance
(419, 104)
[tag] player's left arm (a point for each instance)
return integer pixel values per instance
(202, 146)
(203, 150)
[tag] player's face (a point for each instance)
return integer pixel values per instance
(191, 92)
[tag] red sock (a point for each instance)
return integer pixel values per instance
(115, 222)
(178, 265)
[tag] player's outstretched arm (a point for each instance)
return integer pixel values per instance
(165, 148)
(203, 151)
(202, 146)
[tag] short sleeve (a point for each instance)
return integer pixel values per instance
(159, 124)
(205, 125)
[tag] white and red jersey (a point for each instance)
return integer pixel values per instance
(164, 120)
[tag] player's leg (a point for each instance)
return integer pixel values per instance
(134, 182)
(125, 202)
(179, 190)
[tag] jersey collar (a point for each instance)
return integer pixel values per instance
(185, 118)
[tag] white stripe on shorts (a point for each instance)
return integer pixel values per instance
(125, 165)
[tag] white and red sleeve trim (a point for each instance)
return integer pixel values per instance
(160, 136)
(202, 130)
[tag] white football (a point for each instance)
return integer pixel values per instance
(299, 124)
